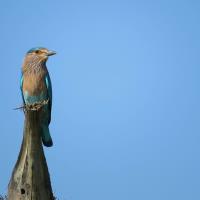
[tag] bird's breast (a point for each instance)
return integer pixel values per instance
(34, 85)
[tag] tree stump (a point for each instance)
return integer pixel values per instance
(30, 178)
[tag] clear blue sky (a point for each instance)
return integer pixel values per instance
(126, 114)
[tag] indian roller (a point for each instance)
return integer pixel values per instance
(36, 87)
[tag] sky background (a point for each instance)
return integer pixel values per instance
(126, 114)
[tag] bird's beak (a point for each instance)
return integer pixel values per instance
(51, 53)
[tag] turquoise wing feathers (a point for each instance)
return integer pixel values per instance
(49, 90)
(21, 87)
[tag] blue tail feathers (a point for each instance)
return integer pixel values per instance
(46, 137)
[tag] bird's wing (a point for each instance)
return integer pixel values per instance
(49, 90)
(21, 87)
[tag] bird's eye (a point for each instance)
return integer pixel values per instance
(37, 51)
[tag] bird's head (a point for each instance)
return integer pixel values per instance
(40, 52)
(36, 57)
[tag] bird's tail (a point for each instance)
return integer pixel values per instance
(46, 137)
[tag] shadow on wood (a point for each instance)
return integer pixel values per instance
(30, 178)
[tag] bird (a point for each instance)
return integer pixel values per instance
(36, 87)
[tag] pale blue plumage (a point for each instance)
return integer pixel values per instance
(49, 89)
(21, 85)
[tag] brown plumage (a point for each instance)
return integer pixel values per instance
(34, 70)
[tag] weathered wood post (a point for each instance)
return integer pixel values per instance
(30, 178)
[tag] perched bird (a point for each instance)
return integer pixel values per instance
(36, 86)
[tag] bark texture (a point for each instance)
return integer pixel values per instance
(30, 178)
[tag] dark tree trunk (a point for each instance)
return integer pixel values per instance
(30, 178)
